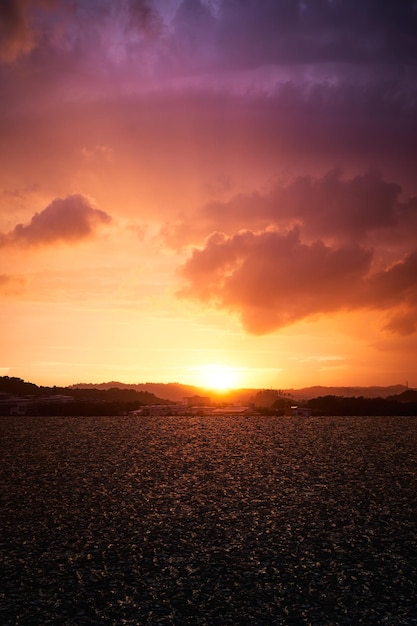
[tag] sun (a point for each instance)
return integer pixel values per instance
(217, 377)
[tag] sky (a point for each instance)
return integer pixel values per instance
(199, 191)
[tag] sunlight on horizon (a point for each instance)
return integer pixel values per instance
(217, 377)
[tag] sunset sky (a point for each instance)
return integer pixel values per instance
(188, 185)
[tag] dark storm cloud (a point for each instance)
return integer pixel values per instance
(235, 33)
(340, 208)
(15, 35)
(257, 32)
(365, 208)
(246, 33)
(69, 219)
(343, 77)
(72, 39)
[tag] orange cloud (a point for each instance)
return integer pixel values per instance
(67, 219)
(273, 279)
(396, 287)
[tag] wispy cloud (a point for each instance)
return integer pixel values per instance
(11, 285)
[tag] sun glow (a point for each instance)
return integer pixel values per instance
(217, 377)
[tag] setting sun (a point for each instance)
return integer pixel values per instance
(217, 377)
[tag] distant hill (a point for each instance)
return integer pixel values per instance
(308, 393)
(407, 396)
(117, 398)
(176, 391)
(89, 393)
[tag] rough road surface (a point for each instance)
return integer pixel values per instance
(208, 520)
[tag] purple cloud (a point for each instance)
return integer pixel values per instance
(365, 208)
(69, 220)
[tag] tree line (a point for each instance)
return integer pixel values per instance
(91, 401)
(402, 404)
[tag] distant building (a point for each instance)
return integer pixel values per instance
(29, 405)
(297, 411)
(197, 401)
(232, 411)
(16, 405)
(56, 399)
(158, 410)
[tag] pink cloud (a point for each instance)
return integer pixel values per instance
(69, 220)
(272, 279)
(365, 207)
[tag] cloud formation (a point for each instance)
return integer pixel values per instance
(15, 33)
(364, 208)
(312, 246)
(323, 31)
(283, 80)
(250, 133)
(194, 35)
(273, 279)
(68, 220)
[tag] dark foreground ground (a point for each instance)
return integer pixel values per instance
(201, 521)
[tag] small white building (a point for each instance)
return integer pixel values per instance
(297, 411)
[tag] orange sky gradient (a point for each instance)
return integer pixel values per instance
(191, 185)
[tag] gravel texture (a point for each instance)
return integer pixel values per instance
(208, 520)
